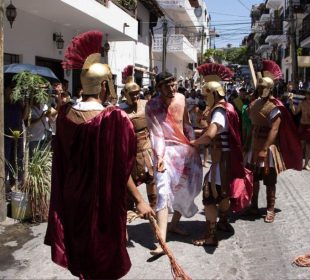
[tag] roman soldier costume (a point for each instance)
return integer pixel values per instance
(94, 152)
(143, 168)
(275, 146)
(227, 175)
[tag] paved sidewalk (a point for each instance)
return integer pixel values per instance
(255, 251)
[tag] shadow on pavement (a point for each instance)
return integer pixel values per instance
(250, 217)
(12, 239)
(143, 235)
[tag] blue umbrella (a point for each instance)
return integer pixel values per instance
(34, 69)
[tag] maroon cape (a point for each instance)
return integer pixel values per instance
(241, 180)
(87, 219)
(290, 146)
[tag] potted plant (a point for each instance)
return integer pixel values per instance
(34, 187)
(130, 5)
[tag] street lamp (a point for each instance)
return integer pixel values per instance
(57, 37)
(10, 13)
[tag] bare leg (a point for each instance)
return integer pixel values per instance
(162, 220)
(271, 198)
(223, 223)
(151, 194)
(174, 225)
(209, 237)
(253, 210)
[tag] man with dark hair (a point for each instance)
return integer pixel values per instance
(65, 87)
(178, 170)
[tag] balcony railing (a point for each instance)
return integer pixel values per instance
(305, 30)
(298, 7)
(128, 6)
(179, 10)
(176, 44)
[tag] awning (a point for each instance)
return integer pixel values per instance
(264, 48)
(303, 61)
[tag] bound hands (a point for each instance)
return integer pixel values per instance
(160, 167)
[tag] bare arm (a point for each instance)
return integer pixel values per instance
(271, 137)
(293, 108)
(144, 209)
(207, 136)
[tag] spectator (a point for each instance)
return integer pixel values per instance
(304, 129)
(13, 120)
(38, 126)
(192, 103)
(65, 87)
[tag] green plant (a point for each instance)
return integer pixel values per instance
(299, 51)
(30, 88)
(128, 4)
(38, 183)
(15, 134)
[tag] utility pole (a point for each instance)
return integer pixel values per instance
(2, 161)
(292, 36)
(202, 43)
(164, 56)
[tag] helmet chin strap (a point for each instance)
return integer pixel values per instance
(211, 99)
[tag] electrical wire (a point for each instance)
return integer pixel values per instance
(243, 5)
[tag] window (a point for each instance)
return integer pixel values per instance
(10, 58)
(139, 27)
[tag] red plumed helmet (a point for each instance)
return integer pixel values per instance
(271, 69)
(82, 46)
(215, 72)
(128, 71)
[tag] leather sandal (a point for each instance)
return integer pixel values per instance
(209, 239)
(270, 216)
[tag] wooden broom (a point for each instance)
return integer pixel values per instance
(176, 270)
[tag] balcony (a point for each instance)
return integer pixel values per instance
(180, 11)
(275, 4)
(84, 15)
(299, 7)
(274, 28)
(265, 16)
(177, 45)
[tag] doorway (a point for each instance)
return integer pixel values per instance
(53, 64)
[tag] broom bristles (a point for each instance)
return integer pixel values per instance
(303, 261)
(176, 270)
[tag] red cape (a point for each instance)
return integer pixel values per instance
(87, 220)
(237, 166)
(241, 180)
(290, 146)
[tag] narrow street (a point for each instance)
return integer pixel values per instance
(255, 251)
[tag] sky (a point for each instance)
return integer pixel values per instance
(231, 19)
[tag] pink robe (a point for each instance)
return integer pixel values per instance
(179, 185)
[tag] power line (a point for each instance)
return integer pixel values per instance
(228, 14)
(243, 5)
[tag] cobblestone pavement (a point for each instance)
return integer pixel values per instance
(255, 250)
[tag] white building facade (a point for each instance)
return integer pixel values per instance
(187, 35)
(30, 40)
